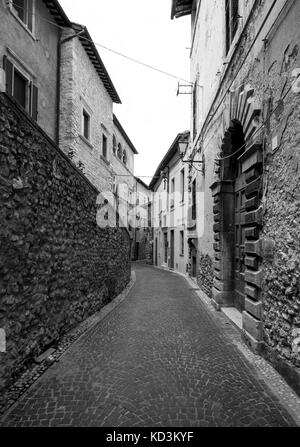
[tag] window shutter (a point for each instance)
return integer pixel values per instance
(34, 113)
(8, 67)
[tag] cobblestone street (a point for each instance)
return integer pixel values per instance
(159, 359)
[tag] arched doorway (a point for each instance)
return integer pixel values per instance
(232, 172)
(238, 213)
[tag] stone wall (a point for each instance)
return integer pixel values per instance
(281, 286)
(57, 266)
(205, 274)
(266, 80)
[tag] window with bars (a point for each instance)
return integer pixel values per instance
(23, 9)
(232, 21)
(21, 88)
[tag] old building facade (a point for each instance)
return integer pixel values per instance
(86, 107)
(29, 57)
(170, 204)
(245, 129)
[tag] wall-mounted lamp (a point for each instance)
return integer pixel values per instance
(165, 175)
(183, 148)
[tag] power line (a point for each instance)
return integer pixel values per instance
(263, 123)
(137, 61)
(210, 116)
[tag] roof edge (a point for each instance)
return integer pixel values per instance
(126, 137)
(142, 183)
(58, 13)
(168, 156)
(88, 44)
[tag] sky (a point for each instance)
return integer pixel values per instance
(151, 112)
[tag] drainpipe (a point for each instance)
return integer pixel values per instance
(58, 89)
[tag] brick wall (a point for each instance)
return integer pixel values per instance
(56, 265)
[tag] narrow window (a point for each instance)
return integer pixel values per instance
(182, 243)
(231, 21)
(194, 203)
(85, 124)
(120, 152)
(124, 157)
(182, 184)
(114, 145)
(172, 193)
(104, 146)
(24, 10)
(20, 88)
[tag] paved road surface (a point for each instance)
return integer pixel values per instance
(158, 360)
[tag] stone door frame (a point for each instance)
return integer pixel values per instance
(245, 111)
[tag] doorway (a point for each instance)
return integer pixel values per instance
(166, 248)
(172, 254)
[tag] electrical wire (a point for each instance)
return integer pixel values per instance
(210, 116)
(262, 124)
(97, 44)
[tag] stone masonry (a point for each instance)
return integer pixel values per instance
(57, 266)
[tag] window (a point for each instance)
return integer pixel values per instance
(182, 243)
(114, 145)
(120, 152)
(24, 10)
(182, 184)
(172, 193)
(21, 88)
(85, 124)
(232, 21)
(194, 203)
(124, 157)
(104, 146)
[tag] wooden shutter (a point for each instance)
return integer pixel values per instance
(34, 112)
(9, 68)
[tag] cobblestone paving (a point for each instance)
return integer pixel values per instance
(159, 360)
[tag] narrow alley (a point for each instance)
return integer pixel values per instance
(159, 359)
